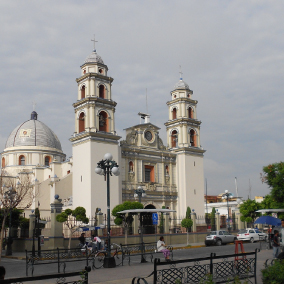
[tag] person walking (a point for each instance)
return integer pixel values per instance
(161, 246)
(276, 244)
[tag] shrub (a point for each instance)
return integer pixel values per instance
(273, 274)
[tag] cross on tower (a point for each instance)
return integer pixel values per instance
(180, 73)
(94, 40)
(34, 106)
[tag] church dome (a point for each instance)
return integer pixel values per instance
(94, 58)
(33, 133)
(181, 85)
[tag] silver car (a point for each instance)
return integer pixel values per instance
(219, 237)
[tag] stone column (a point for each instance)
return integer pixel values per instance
(166, 223)
(217, 221)
(135, 224)
(31, 225)
(56, 237)
(193, 218)
(100, 217)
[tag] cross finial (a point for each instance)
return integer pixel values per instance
(94, 40)
(180, 73)
(34, 106)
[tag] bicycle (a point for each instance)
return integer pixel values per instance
(98, 260)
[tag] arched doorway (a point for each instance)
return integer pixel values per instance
(147, 221)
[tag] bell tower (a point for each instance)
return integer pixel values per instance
(94, 136)
(183, 137)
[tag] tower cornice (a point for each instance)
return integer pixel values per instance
(179, 100)
(183, 120)
(93, 75)
(94, 100)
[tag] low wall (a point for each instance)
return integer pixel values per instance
(20, 245)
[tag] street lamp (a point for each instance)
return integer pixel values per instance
(107, 167)
(227, 195)
(140, 192)
(9, 195)
(33, 246)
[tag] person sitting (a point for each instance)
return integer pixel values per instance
(161, 246)
(82, 240)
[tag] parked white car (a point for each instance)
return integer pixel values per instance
(251, 234)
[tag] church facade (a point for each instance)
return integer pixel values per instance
(171, 174)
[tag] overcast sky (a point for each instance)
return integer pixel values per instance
(231, 54)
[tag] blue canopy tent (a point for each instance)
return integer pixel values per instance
(268, 220)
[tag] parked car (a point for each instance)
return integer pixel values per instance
(219, 237)
(252, 235)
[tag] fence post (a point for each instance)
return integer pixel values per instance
(166, 223)
(135, 225)
(193, 218)
(217, 221)
(100, 216)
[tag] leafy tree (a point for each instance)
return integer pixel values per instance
(127, 205)
(187, 223)
(273, 176)
(213, 219)
(79, 213)
(14, 192)
(248, 210)
(188, 213)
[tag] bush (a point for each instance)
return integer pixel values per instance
(273, 274)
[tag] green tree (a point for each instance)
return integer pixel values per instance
(188, 213)
(248, 210)
(213, 219)
(273, 176)
(127, 205)
(187, 223)
(79, 213)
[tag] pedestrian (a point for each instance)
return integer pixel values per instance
(98, 243)
(161, 246)
(82, 240)
(2, 272)
(276, 244)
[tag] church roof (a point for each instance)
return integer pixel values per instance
(33, 133)
(94, 58)
(181, 85)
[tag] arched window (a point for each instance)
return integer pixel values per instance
(192, 136)
(174, 113)
(131, 168)
(103, 121)
(167, 170)
(83, 92)
(81, 122)
(102, 91)
(3, 162)
(190, 113)
(47, 161)
(174, 138)
(22, 160)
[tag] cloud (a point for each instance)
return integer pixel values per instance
(231, 55)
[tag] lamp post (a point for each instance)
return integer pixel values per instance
(107, 167)
(9, 195)
(140, 192)
(227, 195)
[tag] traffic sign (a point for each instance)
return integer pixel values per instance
(155, 218)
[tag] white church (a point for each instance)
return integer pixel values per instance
(171, 173)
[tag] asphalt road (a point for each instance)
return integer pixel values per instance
(17, 268)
